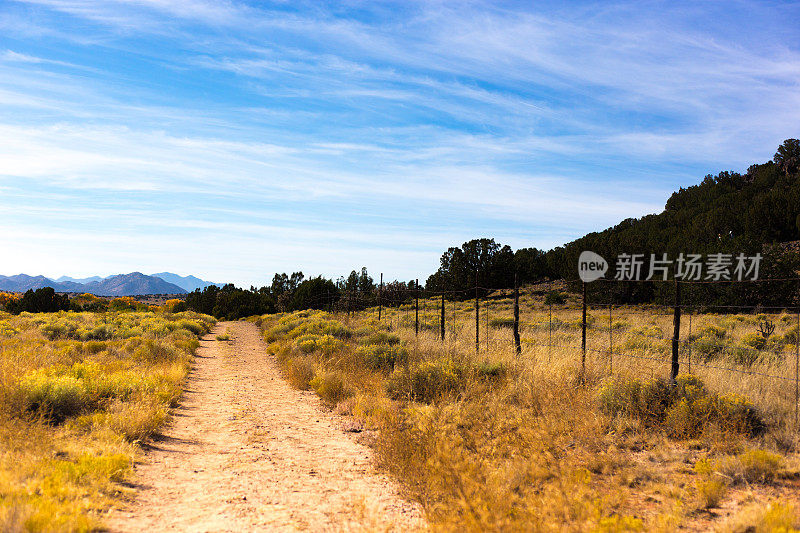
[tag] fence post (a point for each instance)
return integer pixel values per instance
(441, 320)
(610, 338)
(380, 301)
(797, 373)
(676, 334)
(477, 317)
(689, 343)
(550, 337)
(416, 308)
(583, 335)
(486, 315)
(517, 343)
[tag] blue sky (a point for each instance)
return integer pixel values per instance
(231, 140)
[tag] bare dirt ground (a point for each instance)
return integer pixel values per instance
(246, 452)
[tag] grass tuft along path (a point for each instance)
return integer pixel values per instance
(247, 452)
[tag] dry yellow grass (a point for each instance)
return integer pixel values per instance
(493, 441)
(78, 393)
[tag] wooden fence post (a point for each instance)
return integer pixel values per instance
(676, 333)
(380, 301)
(517, 342)
(441, 320)
(416, 308)
(477, 317)
(797, 374)
(583, 334)
(610, 339)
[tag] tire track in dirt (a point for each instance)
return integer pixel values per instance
(246, 452)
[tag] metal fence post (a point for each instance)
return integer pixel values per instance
(380, 301)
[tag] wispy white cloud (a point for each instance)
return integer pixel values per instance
(473, 118)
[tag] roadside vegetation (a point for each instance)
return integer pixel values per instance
(493, 441)
(79, 394)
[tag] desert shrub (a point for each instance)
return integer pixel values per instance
(299, 372)
(648, 331)
(711, 491)
(502, 322)
(54, 396)
(381, 356)
(754, 340)
(382, 337)
(555, 298)
(711, 487)
(743, 355)
(135, 421)
(331, 387)
(489, 370)
(337, 329)
(644, 401)
(196, 327)
(149, 350)
(708, 348)
(99, 333)
(790, 337)
(307, 343)
(712, 332)
(774, 517)
(328, 344)
(751, 466)
(427, 381)
(685, 409)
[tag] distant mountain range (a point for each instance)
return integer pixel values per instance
(133, 284)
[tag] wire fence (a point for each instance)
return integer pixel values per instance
(596, 333)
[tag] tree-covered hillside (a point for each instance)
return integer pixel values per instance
(732, 213)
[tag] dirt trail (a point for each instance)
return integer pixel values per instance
(246, 452)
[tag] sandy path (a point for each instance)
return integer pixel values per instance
(246, 452)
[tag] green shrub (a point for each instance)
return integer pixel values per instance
(382, 356)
